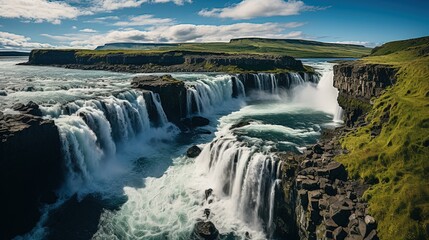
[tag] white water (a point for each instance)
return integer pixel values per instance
(102, 137)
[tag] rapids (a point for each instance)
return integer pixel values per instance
(115, 151)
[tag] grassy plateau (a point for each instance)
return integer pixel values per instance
(290, 47)
(396, 161)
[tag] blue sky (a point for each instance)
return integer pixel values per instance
(27, 24)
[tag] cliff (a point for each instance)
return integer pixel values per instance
(388, 149)
(157, 61)
(357, 83)
(172, 93)
(31, 168)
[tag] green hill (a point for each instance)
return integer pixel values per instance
(290, 47)
(396, 161)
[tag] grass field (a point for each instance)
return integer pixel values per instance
(396, 161)
(294, 48)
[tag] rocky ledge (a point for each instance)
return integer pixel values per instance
(320, 201)
(357, 83)
(31, 168)
(173, 61)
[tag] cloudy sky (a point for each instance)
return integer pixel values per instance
(28, 24)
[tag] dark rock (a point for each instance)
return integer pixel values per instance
(240, 124)
(339, 234)
(340, 215)
(31, 170)
(172, 93)
(205, 230)
(3, 93)
(318, 149)
(208, 193)
(193, 152)
(309, 184)
(336, 171)
(194, 122)
(31, 108)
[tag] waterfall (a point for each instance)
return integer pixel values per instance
(204, 94)
(245, 175)
(90, 130)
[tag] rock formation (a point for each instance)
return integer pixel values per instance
(358, 83)
(172, 93)
(31, 168)
(173, 61)
(321, 200)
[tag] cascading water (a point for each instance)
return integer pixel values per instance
(203, 94)
(90, 131)
(240, 165)
(245, 175)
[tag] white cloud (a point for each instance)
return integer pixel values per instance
(110, 5)
(88, 30)
(74, 27)
(182, 33)
(364, 43)
(14, 41)
(247, 9)
(145, 20)
(39, 10)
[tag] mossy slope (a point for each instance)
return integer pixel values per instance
(396, 161)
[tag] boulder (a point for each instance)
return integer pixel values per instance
(31, 108)
(318, 149)
(3, 93)
(205, 230)
(336, 170)
(193, 152)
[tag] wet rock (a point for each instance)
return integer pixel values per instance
(31, 108)
(208, 193)
(205, 230)
(199, 121)
(3, 93)
(31, 170)
(193, 151)
(240, 124)
(172, 93)
(372, 236)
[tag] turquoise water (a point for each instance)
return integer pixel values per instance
(147, 188)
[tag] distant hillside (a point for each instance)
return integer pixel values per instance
(396, 46)
(290, 47)
(134, 46)
(14, 53)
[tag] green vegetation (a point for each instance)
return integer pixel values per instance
(294, 48)
(396, 161)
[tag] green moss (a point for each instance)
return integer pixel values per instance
(396, 161)
(353, 103)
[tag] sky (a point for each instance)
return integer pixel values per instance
(28, 24)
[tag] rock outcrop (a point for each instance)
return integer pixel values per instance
(31, 169)
(173, 61)
(358, 83)
(320, 199)
(172, 94)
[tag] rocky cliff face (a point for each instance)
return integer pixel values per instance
(31, 169)
(172, 93)
(358, 83)
(175, 61)
(320, 202)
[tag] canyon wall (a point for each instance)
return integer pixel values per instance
(357, 83)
